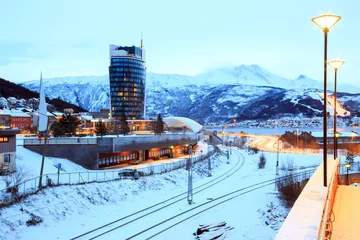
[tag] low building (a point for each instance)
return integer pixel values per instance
(107, 151)
(8, 150)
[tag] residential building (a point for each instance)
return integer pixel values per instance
(8, 150)
(20, 120)
(127, 75)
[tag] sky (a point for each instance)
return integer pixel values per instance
(71, 38)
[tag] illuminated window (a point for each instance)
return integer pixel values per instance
(4, 139)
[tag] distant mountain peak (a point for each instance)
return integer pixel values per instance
(301, 77)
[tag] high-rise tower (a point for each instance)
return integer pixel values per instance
(127, 74)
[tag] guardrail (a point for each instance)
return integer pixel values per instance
(54, 141)
(325, 225)
(30, 186)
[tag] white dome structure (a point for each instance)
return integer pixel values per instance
(181, 122)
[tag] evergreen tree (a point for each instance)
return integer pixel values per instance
(124, 125)
(57, 129)
(100, 128)
(158, 125)
(67, 125)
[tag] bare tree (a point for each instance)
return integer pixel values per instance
(13, 180)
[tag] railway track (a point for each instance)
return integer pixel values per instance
(163, 226)
(161, 206)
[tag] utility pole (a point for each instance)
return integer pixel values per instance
(277, 159)
(190, 187)
(209, 164)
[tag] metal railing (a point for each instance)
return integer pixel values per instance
(54, 141)
(30, 186)
(325, 224)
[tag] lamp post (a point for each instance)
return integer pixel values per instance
(335, 64)
(190, 182)
(297, 139)
(230, 146)
(336, 135)
(348, 165)
(325, 22)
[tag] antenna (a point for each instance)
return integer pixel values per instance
(142, 44)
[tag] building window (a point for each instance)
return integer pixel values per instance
(6, 158)
(4, 139)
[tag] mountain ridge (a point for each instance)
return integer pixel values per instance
(246, 92)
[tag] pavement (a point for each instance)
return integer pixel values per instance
(346, 213)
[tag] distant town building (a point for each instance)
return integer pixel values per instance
(127, 75)
(104, 113)
(69, 110)
(20, 120)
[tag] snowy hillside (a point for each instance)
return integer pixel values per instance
(244, 92)
(79, 208)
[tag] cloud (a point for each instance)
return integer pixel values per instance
(19, 52)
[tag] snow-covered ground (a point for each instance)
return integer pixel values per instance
(68, 211)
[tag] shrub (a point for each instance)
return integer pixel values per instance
(290, 188)
(262, 161)
(34, 220)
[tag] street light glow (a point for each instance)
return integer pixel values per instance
(337, 134)
(335, 64)
(326, 21)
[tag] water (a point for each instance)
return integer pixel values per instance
(276, 131)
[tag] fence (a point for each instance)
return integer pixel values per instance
(52, 179)
(53, 141)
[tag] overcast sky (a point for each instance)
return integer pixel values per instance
(72, 37)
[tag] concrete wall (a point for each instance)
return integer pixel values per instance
(83, 154)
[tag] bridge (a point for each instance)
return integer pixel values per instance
(324, 212)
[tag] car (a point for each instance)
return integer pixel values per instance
(135, 161)
(130, 173)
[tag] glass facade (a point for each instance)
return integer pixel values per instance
(127, 86)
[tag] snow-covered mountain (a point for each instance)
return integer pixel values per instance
(243, 92)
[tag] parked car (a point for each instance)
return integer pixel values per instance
(135, 161)
(130, 173)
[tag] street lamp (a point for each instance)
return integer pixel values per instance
(325, 22)
(335, 64)
(348, 165)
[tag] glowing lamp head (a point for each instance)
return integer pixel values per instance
(335, 64)
(326, 21)
(348, 165)
(336, 135)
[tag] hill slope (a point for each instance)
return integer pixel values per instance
(9, 89)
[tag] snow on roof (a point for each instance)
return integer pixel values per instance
(14, 113)
(182, 121)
